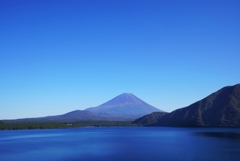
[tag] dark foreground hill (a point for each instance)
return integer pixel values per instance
(149, 119)
(220, 109)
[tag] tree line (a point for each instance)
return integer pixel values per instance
(55, 125)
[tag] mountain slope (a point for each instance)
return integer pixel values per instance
(126, 106)
(74, 116)
(220, 109)
(150, 118)
(70, 116)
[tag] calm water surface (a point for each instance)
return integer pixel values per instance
(121, 144)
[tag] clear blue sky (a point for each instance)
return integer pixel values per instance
(61, 55)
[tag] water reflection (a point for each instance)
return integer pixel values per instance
(226, 135)
(30, 136)
(122, 143)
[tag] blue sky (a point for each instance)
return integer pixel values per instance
(58, 55)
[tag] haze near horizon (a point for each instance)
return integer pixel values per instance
(59, 56)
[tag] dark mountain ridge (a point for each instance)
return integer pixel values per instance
(219, 109)
(150, 118)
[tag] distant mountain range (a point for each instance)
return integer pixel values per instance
(220, 109)
(123, 107)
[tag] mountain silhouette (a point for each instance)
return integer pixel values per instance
(74, 116)
(150, 118)
(220, 109)
(123, 106)
(70, 116)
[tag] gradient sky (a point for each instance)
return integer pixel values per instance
(61, 55)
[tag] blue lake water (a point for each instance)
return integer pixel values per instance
(121, 144)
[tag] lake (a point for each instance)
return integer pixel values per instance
(121, 144)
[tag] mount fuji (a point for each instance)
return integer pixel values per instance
(124, 106)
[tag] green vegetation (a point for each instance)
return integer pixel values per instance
(1, 123)
(55, 125)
